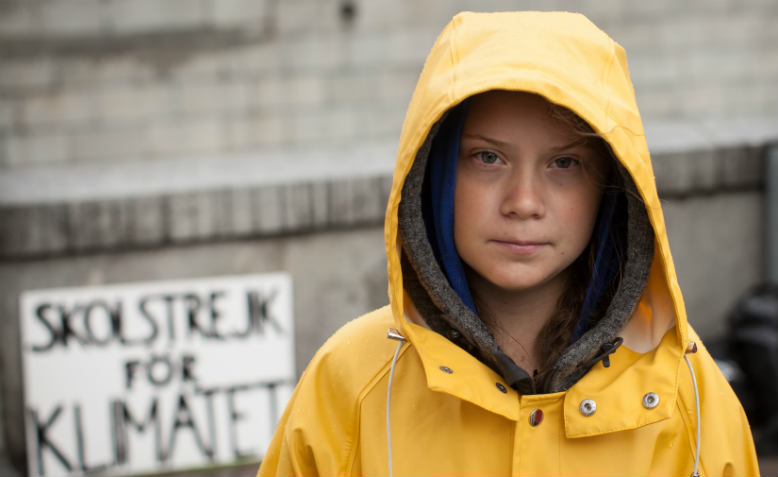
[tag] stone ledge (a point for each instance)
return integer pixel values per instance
(692, 158)
(32, 230)
(86, 208)
(700, 172)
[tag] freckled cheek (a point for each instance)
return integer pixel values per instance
(462, 216)
(466, 218)
(469, 202)
(580, 213)
(588, 213)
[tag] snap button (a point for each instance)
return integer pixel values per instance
(535, 417)
(452, 334)
(588, 407)
(501, 388)
(446, 369)
(691, 348)
(650, 400)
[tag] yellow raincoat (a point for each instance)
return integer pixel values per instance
(450, 414)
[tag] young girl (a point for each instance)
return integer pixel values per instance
(536, 325)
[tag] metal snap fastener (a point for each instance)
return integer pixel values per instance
(588, 407)
(446, 369)
(691, 348)
(452, 334)
(501, 388)
(535, 417)
(650, 400)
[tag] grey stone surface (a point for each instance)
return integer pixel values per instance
(717, 241)
(147, 139)
(709, 170)
(8, 470)
(89, 208)
(126, 80)
(142, 178)
(50, 212)
(336, 276)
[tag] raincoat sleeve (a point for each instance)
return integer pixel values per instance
(285, 457)
(312, 436)
(318, 433)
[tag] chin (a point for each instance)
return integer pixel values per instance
(514, 284)
(519, 283)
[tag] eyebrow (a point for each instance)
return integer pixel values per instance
(579, 142)
(496, 142)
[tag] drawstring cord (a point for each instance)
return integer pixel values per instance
(605, 351)
(393, 335)
(695, 472)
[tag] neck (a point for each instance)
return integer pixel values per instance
(516, 317)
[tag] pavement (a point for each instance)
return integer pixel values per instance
(7, 471)
(246, 470)
(768, 467)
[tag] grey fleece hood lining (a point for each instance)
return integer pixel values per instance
(444, 312)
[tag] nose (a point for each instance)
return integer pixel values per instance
(523, 196)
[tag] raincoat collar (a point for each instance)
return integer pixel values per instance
(618, 391)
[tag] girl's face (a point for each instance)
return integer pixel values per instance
(526, 195)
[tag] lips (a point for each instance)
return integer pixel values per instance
(521, 247)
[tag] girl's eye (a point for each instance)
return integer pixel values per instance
(565, 162)
(488, 157)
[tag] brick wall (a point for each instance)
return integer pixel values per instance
(116, 80)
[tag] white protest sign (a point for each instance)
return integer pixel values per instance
(148, 377)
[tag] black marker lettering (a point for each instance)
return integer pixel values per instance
(259, 314)
(235, 416)
(80, 450)
(67, 331)
(40, 313)
(208, 395)
(192, 302)
(152, 322)
(187, 374)
(43, 442)
(171, 324)
(127, 418)
(107, 315)
(130, 368)
(184, 418)
(215, 314)
(118, 438)
(159, 370)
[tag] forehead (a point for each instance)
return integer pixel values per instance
(507, 111)
(516, 118)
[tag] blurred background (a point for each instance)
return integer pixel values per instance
(154, 140)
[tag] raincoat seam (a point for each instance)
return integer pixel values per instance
(289, 442)
(455, 64)
(605, 74)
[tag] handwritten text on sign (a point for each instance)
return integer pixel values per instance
(155, 376)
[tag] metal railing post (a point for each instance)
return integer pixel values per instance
(771, 213)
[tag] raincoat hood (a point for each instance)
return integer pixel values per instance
(566, 59)
(394, 393)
